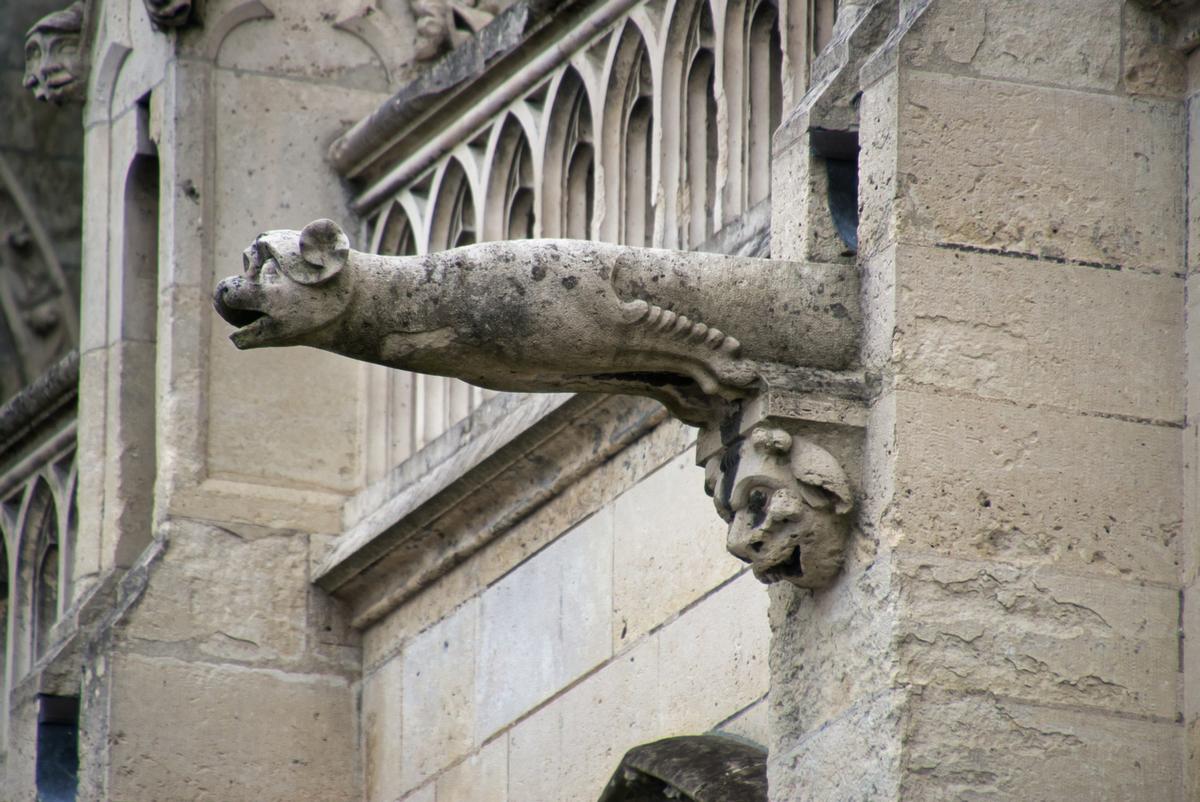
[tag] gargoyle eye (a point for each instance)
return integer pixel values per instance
(756, 504)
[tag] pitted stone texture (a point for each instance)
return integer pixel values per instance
(438, 697)
(854, 756)
(1035, 487)
(1021, 42)
(668, 548)
(830, 651)
(981, 745)
(382, 743)
(1152, 64)
(1039, 636)
(1055, 185)
(208, 598)
(1034, 332)
(228, 733)
(544, 624)
(639, 321)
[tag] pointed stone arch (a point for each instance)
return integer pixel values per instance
(569, 161)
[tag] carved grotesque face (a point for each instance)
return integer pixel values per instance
(53, 68)
(291, 287)
(169, 13)
(786, 501)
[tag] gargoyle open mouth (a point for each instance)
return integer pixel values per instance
(787, 568)
(234, 316)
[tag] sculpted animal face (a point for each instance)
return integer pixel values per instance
(169, 13)
(786, 501)
(291, 288)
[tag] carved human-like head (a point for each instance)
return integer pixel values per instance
(169, 13)
(291, 289)
(786, 500)
(53, 64)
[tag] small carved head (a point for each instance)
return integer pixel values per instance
(169, 13)
(53, 63)
(291, 286)
(786, 501)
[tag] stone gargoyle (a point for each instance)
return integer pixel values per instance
(700, 333)
(54, 68)
(546, 315)
(786, 500)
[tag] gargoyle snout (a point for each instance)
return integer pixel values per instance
(233, 315)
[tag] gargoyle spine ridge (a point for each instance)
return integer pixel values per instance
(680, 327)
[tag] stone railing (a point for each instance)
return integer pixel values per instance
(621, 122)
(37, 516)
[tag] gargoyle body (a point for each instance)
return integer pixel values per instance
(690, 330)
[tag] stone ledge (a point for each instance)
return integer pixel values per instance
(526, 456)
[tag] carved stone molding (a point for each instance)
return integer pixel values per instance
(165, 14)
(713, 338)
(54, 66)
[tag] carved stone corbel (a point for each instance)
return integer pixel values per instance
(758, 353)
(166, 14)
(54, 65)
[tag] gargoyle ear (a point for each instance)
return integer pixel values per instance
(817, 468)
(325, 248)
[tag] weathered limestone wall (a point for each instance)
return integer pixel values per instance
(1007, 624)
(1190, 545)
(213, 670)
(610, 617)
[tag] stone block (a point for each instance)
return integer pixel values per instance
(979, 746)
(1062, 335)
(567, 750)
(1039, 636)
(189, 731)
(426, 793)
(544, 624)
(1016, 41)
(482, 777)
(382, 744)
(668, 548)
(713, 660)
(1031, 486)
(438, 698)
(299, 41)
(207, 594)
(830, 651)
(1076, 176)
(751, 724)
(1193, 184)
(877, 166)
(857, 755)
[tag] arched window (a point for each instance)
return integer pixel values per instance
(510, 201)
(454, 211)
(397, 238)
(700, 127)
(45, 588)
(629, 132)
(5, 603)
(570, 165)
(764, 94)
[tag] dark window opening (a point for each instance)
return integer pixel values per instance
(57, 762)
(839, 151)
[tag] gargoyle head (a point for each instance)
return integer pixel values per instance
(786, 501)
(169, 13)
(53, 64)
(291, 288)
